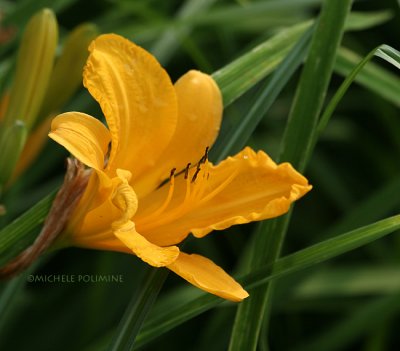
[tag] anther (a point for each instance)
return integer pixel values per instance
(196, 173)
(107, 155)
(172, 173)
(187, 170)
(205, 156)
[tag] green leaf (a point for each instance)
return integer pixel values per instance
(384, 51)
(243, 73)
(23, 231)
(240, 75)
(364, 20)
(372, 76)
(296, 147)
(349, 281)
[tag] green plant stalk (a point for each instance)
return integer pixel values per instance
(297, 145)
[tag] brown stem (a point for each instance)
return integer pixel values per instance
(67, 198)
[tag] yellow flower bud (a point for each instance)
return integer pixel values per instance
(33, 70)
(67, 73)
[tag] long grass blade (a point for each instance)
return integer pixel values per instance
(137, 311)
(297, 145)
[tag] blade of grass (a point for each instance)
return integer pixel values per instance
(237, 139)
(166, 46)
(7, 297)
(297, 145)
(372, 77)
(321, 252)
(251, 67)
(137, 310)
(22, 232)
(244, 72)
(385, 52)
(349, 280)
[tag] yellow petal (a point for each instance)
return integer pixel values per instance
(206, 275)
(137, 99)
(106, 201)
(107, 225)
(125, 199)
(154, 255)
(199, 120)
(244, 188)
(83, 136)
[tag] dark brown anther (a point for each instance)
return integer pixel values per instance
(187, 170)
(196, 173)
(205, 156)
(172, 173)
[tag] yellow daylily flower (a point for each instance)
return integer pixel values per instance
(152, 183)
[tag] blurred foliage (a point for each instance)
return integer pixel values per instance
(348, 303)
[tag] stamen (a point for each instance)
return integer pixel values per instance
(187, 170)
(167, 200)
(172, 173)
(219, 188)
(192, 196)
(196, 173)
(205, 156)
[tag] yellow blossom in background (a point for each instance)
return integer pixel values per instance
(152, 183)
